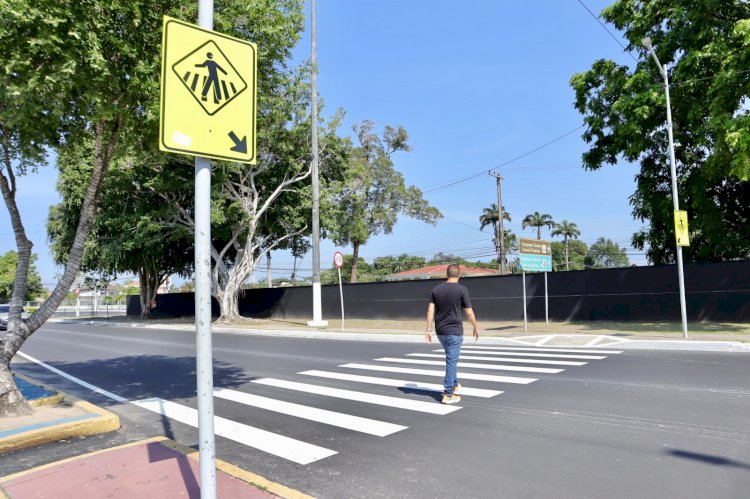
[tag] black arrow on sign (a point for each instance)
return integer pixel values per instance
(239, 145)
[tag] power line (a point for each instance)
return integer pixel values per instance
(607, 30)
(484, 172)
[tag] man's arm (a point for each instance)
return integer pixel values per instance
(430, 317)
(473, 319)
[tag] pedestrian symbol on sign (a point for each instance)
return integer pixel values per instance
(209, 77)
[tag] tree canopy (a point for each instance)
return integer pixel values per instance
(373, 194)
(8, 265)
(606, 254)
(538, 221)
(705, 47)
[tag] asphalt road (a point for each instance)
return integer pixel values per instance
(633, 424)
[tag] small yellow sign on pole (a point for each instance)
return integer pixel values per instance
(681, 228)
(208, 88)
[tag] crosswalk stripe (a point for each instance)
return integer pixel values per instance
(271, 443)
(473, 365)
(526, 354)
(504, 359)
(368, 398)
(427, 372)
(546, 349)
(432, 387)
(354, 423)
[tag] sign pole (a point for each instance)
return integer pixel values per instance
(203, 347)
(341, 294)
(546, 301)
(525, 327)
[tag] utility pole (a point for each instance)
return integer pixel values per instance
(500, 245)
(317, 305)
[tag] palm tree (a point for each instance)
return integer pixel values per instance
(567, 230)
(490, 216)
(538, 220)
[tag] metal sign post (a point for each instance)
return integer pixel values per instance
(338, 261)
(208, 109)
(536, 256)
(523, 277)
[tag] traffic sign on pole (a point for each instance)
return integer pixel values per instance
(208, 88)
(535, 255)
(681, 228)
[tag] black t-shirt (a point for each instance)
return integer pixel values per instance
(450, 298)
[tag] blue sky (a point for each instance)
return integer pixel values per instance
(475, 86)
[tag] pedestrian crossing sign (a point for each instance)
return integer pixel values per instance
(208, 93)
(681, 228)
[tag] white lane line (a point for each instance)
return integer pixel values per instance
(354, 423)
(527, 354)
(593, 341)
(544, 340)
(74, 379)
(474, 366)
(368, 398)
(545, 349)
(503, 359)
(414, 385)
(271, 443)
(428, 372)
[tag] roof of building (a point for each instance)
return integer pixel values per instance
(438, 271)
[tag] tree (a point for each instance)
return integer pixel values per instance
(567, 230)
(127, 236)
(538, 220)
(705, 46)
(606, 254)
(373, 194)
(491, 216)
(386, 265)
(577, 251)
(8, 265)
(71, 72)
(331, 275)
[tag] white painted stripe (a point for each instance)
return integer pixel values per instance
(427, 372)
(594, 341)
(544, 340)
(368, 398)
(414, 385)
(504, 359)
(527, 354)
(278, 445)
(74, 379)
(544, 349)
(471, 365)
(354, 423)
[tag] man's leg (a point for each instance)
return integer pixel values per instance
(452, 346)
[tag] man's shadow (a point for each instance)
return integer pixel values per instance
(413, 388)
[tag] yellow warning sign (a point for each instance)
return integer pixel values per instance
(681, 228)
(208, 88)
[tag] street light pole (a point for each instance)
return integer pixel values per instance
(317, 306)
(675, 201)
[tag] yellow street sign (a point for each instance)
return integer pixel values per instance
(681, 228)
(208, 87)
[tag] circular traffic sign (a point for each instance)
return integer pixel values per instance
(338, 259)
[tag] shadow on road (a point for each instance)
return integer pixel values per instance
(709, 459)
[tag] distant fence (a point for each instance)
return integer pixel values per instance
(714, 292)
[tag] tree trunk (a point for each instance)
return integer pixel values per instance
(19, 330)
(567, 265)
(355, 257)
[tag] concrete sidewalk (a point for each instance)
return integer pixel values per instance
(493, 333)
(151, 468)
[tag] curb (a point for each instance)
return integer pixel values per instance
(97, 421)
(548, 340)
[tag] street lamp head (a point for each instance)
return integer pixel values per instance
(647, 42)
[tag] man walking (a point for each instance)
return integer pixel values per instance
(448, 303)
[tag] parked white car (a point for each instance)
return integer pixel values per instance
(4, 311)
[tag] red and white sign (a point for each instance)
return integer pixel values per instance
(338, 259)
(78, 291)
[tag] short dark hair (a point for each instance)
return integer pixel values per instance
(454, 270)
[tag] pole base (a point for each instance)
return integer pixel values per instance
(317, 323)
